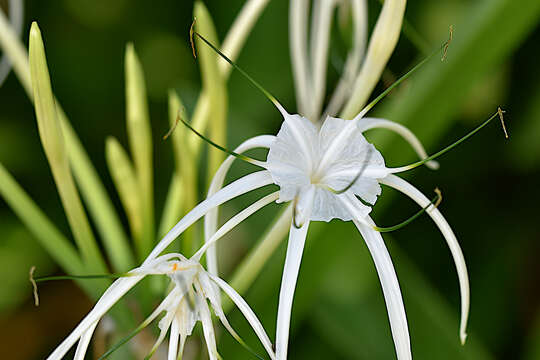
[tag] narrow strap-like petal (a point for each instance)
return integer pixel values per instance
(173, 342)
(211, 218)
(459, 260)
(234, 221)
(248, 314)
(241, 186)
(109, 298)
(372, 123)
(391, 290)
(16, 17)
(298, 13)
(208, 328)
(295, 249)
(84, 341)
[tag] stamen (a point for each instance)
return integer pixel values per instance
(445, 50)
(233, 64)
(34, 285)
(77, 277)
(435, 202)
(358, 175)
(191, 38)
(500, 112)
(230, 152)
(446, 149)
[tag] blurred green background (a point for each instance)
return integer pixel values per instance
(490, 185)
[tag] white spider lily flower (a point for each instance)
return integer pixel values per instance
(187, 303)
(325, 170)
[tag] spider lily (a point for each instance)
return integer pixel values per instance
(183, 306)
(186, 304)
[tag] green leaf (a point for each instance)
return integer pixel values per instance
(213, 84)
(140, 141)
(53, 143)
(125, 181)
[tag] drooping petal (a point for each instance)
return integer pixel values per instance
(237, 188)
(248, 314)
(391, 290)
(295, 249)
(373, 123)
(84, 341)
(459, 260)
(109, 298)
(211, 218)
(208, 328)
(323, 11)
(173, 342)
(298, 14)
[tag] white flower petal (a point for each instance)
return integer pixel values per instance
(373, 123)
(298, 14)
(459, 260)
(208, 328)
(211, 218)
(173, 342)
(248, 314)
(323, 11)
(354, 57)
(109, 298)
(241, 186)
(293, 152)
(295, 248)
(84, 341)
(391, 290)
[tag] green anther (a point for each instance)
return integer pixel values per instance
(434, 202)
(230, 152)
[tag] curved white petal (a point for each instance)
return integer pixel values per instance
(354, 58)
(459, 260)
(208, 328)
(298, 13)
(211, 218)
(381, 45)
(241, 186)
(391, 290)
(233, 222)
(16, 17)
(248, 314)
(173, 342)
(107, 300)
(372, 123)
(295, 249)
(84, 341)
(323, 11)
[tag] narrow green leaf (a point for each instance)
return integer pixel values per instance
(140, 141)
(53, 143)
(125, 181)
(213, 84)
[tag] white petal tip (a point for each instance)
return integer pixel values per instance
(463, 337)
(433, 165)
